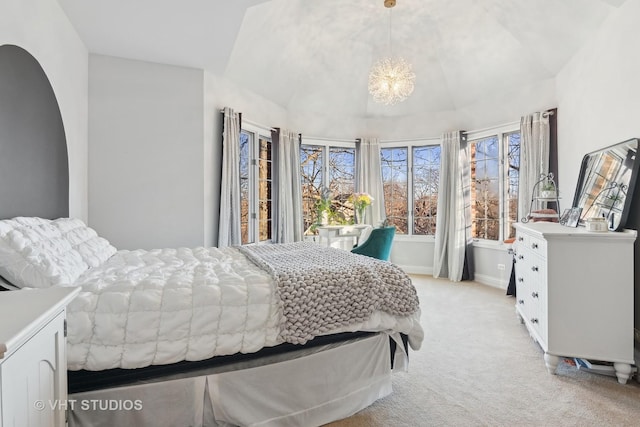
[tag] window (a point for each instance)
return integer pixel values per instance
(426, 180)
(256, 171)
(513, 179)
(332, 167)
(495, 164)
(311, 176)
(395, 176)
(416, 168)
(342, 179)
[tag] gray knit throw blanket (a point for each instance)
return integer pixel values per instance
(324, 288)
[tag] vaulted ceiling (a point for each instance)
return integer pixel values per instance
(315, 55)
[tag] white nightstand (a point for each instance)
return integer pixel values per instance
(33, 357)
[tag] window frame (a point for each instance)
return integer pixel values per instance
(502, 133)
(326, 145)
(409, 144)
(258, 133)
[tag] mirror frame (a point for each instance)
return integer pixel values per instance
(630, 189)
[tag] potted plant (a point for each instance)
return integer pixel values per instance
(548, 190)
(323, 206)
(612, 200)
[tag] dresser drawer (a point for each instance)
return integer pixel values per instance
(527, 242)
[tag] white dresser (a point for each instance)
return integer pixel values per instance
(574, 292)
(33, 362)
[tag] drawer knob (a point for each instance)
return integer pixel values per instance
(520, 256)
(534, 294)
(520, 239)
(534, 268)
(534, 245)
(520, 301)
(534, 320)
(520, 279)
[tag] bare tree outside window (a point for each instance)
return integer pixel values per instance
(265, 168)
(333, 177)
(342, 165)
(426, 180)
(311, 176)
(245, 161)
(492, 212)
(394, 180)
(513, 179)
(485, 191)
(256, 169)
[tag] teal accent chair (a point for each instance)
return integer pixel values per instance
(378, 245)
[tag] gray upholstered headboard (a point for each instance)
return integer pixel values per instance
(34, 171)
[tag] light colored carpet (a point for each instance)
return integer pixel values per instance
(479, 367)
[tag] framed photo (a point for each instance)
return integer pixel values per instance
(565, 216)
(573, 217)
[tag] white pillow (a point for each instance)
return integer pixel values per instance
(33, 253)
(364, 234)
(93, 249)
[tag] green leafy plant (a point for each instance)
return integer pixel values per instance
(548, 186)
(613, 198)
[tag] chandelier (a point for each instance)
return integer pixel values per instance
(391, 79)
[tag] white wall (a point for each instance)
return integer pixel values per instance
(599, 102)
(599, 93)
(155, 136)
(146, 134)
(41, 28)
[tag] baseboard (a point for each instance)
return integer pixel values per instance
(412, 269)
(485, 279)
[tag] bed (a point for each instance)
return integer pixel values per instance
(276, 334)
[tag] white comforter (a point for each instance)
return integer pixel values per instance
(143, 308)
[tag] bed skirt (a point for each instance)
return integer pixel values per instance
(305, 390)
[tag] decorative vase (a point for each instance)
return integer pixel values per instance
(324, 218)
(360, 215)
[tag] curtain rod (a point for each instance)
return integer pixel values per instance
(322, 138)
(259, 125)
(244, 120)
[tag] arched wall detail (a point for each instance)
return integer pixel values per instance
(34, 162)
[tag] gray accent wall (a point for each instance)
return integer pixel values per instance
(34, 168)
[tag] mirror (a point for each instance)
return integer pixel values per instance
(606, 182)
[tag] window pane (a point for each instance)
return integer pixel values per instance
(485, 188)
(264, 190)
(245, 161)
(513, 178)
(342, 164)
(311, 171)
(426, 179)
(394, 180)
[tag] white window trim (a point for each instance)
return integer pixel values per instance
(409, 144)
(258, 133)
(499, 131)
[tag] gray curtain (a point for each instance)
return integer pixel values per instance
(452, 223)
(288, 220)
(229, 228)
(369, 179)
(534, 156)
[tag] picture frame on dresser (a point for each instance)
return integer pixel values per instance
(573, 217)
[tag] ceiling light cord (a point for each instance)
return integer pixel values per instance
(390, 26)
